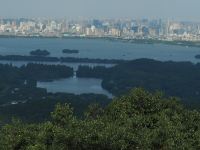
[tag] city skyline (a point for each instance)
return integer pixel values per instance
(124, 29)
(181, 10)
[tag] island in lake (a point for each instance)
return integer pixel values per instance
(197, 56)
(39, 52)
(70, 51)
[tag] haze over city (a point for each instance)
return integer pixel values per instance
(185, 10)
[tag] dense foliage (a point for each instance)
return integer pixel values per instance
(13, 75)
(19, 84)
(139, 120)
(20, 97)
(38, 108)
(180, 79)
(41, 72)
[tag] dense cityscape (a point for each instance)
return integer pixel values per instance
(124, 29)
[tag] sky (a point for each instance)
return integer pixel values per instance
(184, 10)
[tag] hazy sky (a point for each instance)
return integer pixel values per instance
(167, 9)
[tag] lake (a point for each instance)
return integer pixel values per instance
(98, 48)
(75, 85)
(91, 48)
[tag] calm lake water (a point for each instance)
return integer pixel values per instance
(98, 48)
(92, 48)
(75, 85)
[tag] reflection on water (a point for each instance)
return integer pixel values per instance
(75, 85)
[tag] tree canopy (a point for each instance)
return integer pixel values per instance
(174, 78)
(138, 120)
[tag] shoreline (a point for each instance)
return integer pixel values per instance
(59, 59)
(113, 39)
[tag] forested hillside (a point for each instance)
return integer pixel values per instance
(181, 79)
(138, 120)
